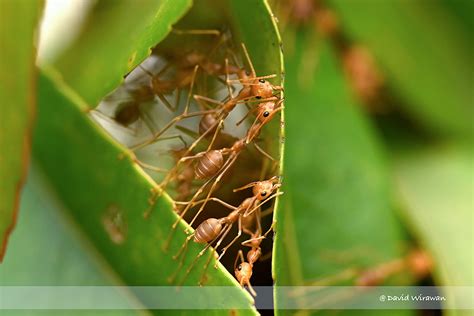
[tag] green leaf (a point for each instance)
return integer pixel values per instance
(117, 37)
(425, 51)
(59, 254)
(435, 189)
(337, 201)
(107, 194)
(17, 96)
(257, 28)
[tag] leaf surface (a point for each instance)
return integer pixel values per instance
(336, 212)
(435, 187)
(18, 21)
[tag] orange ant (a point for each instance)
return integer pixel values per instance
(216, 229)
(244, 271)
(418, 262)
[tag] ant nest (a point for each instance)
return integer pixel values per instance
(201, 113)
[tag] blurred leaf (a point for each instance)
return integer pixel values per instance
(256, 26)
(116, 38)
(18, 20)
(60, 257)
(426, 53)
(107, 195)
(435, 186)
(336, 211)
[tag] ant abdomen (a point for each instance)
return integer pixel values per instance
(207, 230)
(208, 123)
(127, 113)
(209, 164)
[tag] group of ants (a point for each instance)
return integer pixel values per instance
(264, 100)
(261, 98)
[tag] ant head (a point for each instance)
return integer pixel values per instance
(243, 273)
(266, 110)
(262, 89)
(263, 189)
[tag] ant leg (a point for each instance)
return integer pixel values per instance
(240, 255)
(241, 80)
(263, 152)
(187, 131)
(210, 199)
(266, 256)
(224, 169)
(191, 86)
(159, 189)
(203, 105)
(166, 102)
(150, 167)
(146, 71)
(183, 248)
(177, 99)
(218, 128)
(221, 236)
(239, 233)
(247, 213)
(202, 280)
(267, 212)
(182, 251)
(157, 135)
(198, 97)
(258, 219)
(249, 185)
(181, 215)
(147, 119)
(227, 78)
(249, 61)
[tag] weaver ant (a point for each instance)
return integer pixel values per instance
(243, 272)
(214, 230)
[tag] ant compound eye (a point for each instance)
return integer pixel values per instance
(247, 72)
(261, 80)
(263, 193)
(258, 97)
(266, 114)
(239, 267)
